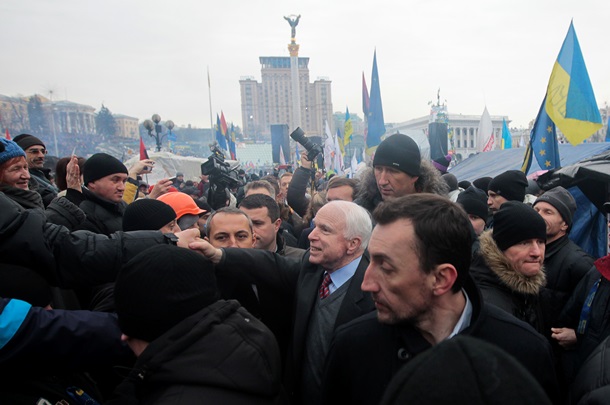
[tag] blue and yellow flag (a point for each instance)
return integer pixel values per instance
(543, 143)
(507, 139)
(232, 150)
(570, 101)
(376, 124)
(348, 129)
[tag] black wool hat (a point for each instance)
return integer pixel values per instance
(464, 184)
(26, 140)
(562, 200)
(400, 152)
(101, 165)
(474, 202)
(147, 214)
(482, 183)
(473, 372)
(515, 222)
(160, 287)
(511, 185)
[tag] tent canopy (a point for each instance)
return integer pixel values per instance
(495, 162)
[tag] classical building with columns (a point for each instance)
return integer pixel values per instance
(464, 129)
(269, 102)
(70, 118)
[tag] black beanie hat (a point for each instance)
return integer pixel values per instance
(482, 183)
(515, 222)
(400, 152)
(511, 185)
(473, 371)
(160, 287)
(464, 184)
(27, 140)
(101, 165)
(474, 202)
(562, 200)
(147, 214)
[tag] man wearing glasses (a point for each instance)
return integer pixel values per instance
(35, 152)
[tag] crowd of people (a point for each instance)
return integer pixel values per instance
(402, 285)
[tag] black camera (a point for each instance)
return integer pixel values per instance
(218, 170)
(313, 149)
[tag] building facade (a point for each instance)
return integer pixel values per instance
(269, 102)
(126, 126)
(464, 132)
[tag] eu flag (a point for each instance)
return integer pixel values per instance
(222, 142)
(570, 101)
(543, 143)
(376, 125)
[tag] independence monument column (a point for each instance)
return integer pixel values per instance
(293, 48)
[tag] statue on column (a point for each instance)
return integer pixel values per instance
(293, 21)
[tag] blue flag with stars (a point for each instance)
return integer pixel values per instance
(543, 143)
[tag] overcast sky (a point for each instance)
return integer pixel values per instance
(143, 57)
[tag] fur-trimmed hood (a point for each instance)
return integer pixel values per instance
(499, 265)
(430, 181)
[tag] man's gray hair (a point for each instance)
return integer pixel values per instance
(358, 221)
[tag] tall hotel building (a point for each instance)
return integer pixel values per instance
(269, 102)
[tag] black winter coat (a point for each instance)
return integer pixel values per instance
(41, 184)
(66, 259)
(502, 286)
(565, 264)
(598, 324)
(365, 354)
(220, 355)
(592, 384)
(103, 216)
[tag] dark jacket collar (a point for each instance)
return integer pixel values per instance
(106, 204)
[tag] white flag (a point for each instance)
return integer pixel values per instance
(485, 141)
(338, 157)
(354, 166)
(329, 149)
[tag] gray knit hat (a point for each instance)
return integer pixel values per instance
(562, 200)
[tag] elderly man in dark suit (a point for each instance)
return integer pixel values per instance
(324, 287)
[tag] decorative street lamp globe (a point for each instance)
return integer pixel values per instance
(155, 129)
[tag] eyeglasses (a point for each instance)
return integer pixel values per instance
(37, 151)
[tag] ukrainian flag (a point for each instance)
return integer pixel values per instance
(348, 128)
(570, 102)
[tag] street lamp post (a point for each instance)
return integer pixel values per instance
(153, 124)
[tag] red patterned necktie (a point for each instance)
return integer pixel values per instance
(324, 291)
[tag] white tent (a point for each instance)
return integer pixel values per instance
(168, 164)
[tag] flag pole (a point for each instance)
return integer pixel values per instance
(210, 101)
